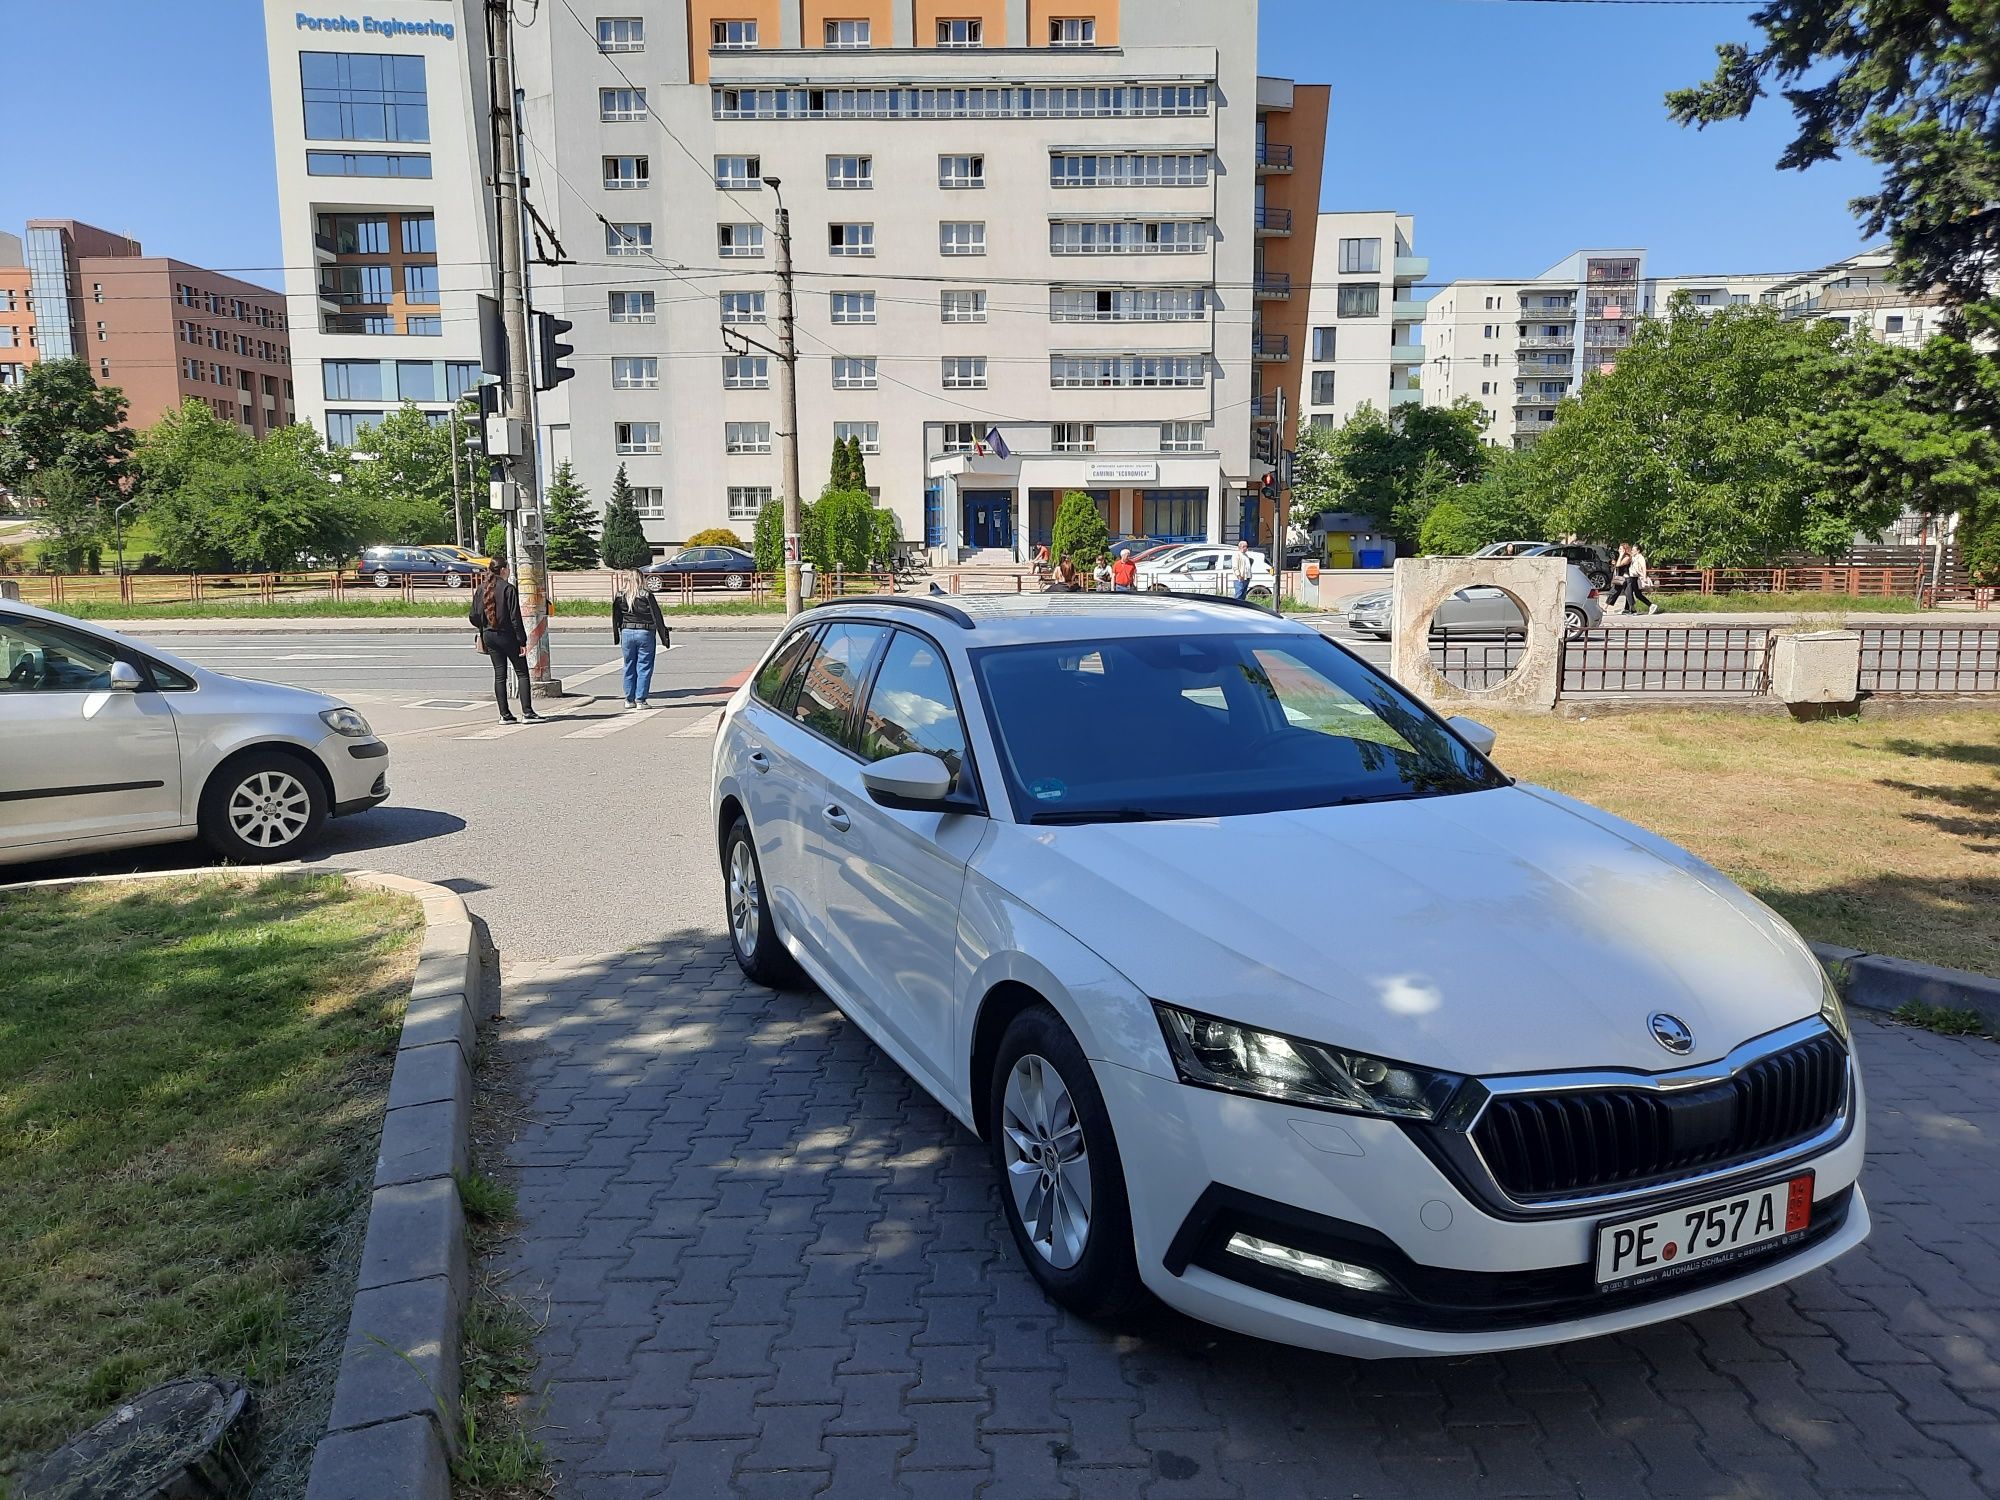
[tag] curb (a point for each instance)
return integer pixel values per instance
(1874, 981)
(395, 1400)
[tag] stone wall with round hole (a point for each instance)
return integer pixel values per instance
(1484, 629)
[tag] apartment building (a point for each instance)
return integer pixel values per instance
(1859, 294)
(159, 329)
(1025, 235)
(1362, 344)
(17, 313)
(381, 133)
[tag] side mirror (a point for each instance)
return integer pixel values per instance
(1474, 733)
(125, 678)
(915, 781)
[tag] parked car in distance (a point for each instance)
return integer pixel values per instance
(465, 555)
(1593, 559)
(702, 568)
(1205, 569)
(1482, 610)
(1506, 1071)
(1508, 549)
(108, 745)
(385, 566)
(1160, 552)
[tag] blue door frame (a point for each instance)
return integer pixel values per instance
(989, 518)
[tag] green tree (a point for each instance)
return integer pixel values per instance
(623, 543)
(1502, 503)
(570, 523)
(178, 460)
(1079, 531)
(885, 537)
(64, 442)
(767, 541)
(219, 502)
(1909, 84)
(844, 533)
(716, 536)
(70, 519)
(836, 469)
(399, 472)
(1393, 466)
(857, 465)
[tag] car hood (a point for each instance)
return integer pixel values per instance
(1510, 930)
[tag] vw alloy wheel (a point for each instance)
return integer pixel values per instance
(746, 898)
(269, 809)
(1047, 1162)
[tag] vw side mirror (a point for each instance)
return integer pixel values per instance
(125, 678)
(915, 781)
(1473, 733)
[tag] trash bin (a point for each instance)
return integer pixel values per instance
(1371, 557)
(805, 580)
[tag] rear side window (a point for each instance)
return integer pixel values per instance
(912, 706)
(834, 676)
(770, 685)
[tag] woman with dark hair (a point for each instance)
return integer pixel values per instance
(496, 615)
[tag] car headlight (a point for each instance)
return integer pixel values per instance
(1242, 1060)
(1831, 1010)
(345, 721)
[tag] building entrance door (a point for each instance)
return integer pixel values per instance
(989, 519)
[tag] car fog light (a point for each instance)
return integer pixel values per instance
(1319, 1267)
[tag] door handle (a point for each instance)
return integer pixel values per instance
(759, 760)
(835, 816)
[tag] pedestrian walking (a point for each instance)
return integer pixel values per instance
(1637, 576)
(1101, 574)
(638, 625)
(1240, 570)
(1124, 573)
(1621, 568)
(496, 615)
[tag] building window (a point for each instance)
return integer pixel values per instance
(964, 372)
(420, 234)
(850, 374)
(632, 307)
(962, 237)
(979, 102)
(1361, 302)
(420, 285)
(960, 34)
(850, 173)
(732, 36)
(1073, 437)
(850, 239)
(460, 376)
(1177, 513)
(650, 501)
(628, 239)
(1089, 169)
(739, 241)
(746, 500)
(958, 437)
(635, 373)
(353, 234)
(367, 164)
(870, 434)
(1070, 372)
(636, 437)
(1103, 304)
(626, 172)
(1073, 31)
(1361, 257)
(746, 437)
(621, 34)
(739, 172)
(1322, 388)
(352, 379)
(1322, 343)
(848, 35)
(1183, 437)
(962, 171)
(853, 307)
(344, 428)
(742, 307)
(1128, 236)
(1892, 323)
(417, 380)
(364, 96)
(962, 307)
(746, 372)
(616, 105)
(356, 285)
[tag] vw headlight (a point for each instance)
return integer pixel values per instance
(1242, 1060)
(345, 721)
(1831, 1010)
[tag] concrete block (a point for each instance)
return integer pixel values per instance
(1537, 584)
(447, 963)
(1817, 666)
(401, 1356)
(427, 1074)
(394, 1461)
(415, 1230)
(436, 1019)
(422, 1141)
(1878, 982)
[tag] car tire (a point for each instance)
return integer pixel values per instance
(382, 579)
(752, 934)
(1576, 624)
(454, 580)
(736, 581)
(263, 806)
(1041, 1096)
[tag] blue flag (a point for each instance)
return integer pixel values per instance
(997, 443)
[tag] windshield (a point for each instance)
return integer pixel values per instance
(1209, 726)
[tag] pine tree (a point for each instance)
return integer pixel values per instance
(857, 466)
(571, 524)
(836, 468)
(624, 543)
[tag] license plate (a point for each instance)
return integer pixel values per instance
(1631, 1252)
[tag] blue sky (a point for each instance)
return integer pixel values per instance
(1514, 132)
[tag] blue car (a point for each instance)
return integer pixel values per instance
(702, 568)
(385, 566)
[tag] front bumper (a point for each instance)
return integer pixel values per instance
(1200, 1164)
(358, 770)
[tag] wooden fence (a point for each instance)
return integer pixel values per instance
(1855, 583)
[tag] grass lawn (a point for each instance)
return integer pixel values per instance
(374, 609)
(1810, 604)
(1881, 833)
(191, 1082)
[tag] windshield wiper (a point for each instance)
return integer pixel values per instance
(1106, 815)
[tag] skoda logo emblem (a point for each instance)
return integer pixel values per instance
(1671, 1032)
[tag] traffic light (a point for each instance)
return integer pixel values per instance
(1264, 444)
(1269, 488)
(550, 371)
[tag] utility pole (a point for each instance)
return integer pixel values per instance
(524, 521)
(457, 523)
(788, 363)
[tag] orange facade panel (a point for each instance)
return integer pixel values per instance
(991, 15)
(816, 14)
(1303, 129)
(1041, 13)
(705, 15)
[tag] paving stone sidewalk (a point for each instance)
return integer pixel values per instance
(774, 1268)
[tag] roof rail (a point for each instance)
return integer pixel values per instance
(1172, 596)
(926, 602)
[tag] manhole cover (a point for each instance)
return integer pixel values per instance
(452, 705)
(174, 1442)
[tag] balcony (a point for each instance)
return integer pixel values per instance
(1539, 398)
(1406, 354)
(1270, 348)
(1274, 221)
(1406, 398)
(1548, 341)
(1264, 409)
(1406, 312)
(1564, 312)
(1274, 156)
(1273, 286)
(324, 246)
(1412, 267)
(1532, 426)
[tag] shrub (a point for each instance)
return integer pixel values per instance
(719, 536)
(1079, 531)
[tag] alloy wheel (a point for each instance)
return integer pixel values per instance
(269, 809)
(1047, 1160)
(746, 897)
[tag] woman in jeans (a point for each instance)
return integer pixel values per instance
(637, 624)
(496, 615)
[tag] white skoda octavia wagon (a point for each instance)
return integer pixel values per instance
(1271, 994)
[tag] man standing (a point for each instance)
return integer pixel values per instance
(1240, 570)
(1124, 572)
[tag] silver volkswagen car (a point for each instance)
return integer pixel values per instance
(105, 744)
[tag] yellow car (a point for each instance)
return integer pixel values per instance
(463, 554)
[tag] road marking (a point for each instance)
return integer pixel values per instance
(705, 725)
(604, 727)
(616, 664)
